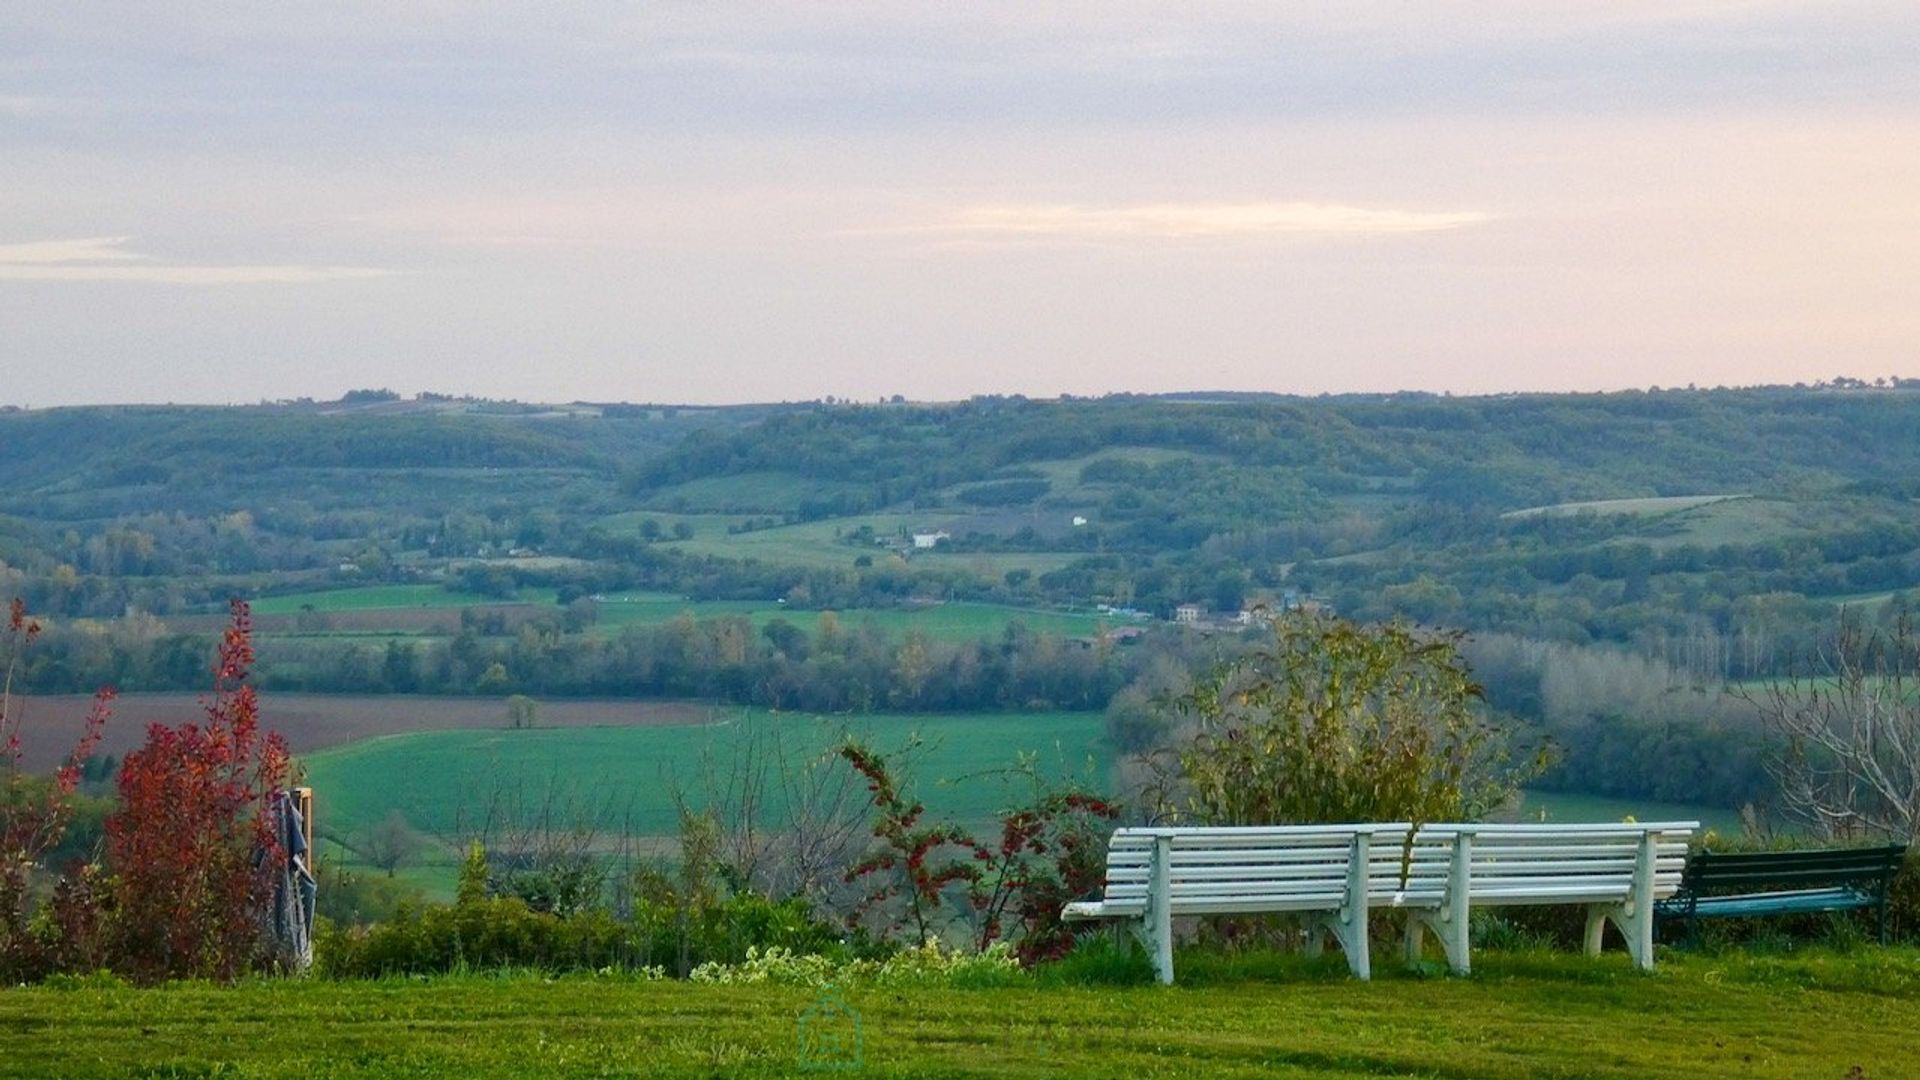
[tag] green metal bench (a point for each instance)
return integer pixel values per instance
(1834, 879)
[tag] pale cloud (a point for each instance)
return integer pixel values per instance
(86, 249)
(106, 258)
(1180, 221)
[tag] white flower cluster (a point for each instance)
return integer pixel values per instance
(928, 964)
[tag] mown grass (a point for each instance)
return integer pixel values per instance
(1519, 1015)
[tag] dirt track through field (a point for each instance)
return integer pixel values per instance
(51, 723)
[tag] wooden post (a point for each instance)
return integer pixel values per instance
(303, 802)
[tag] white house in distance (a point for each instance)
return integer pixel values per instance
(1188, 613)
(926, 541)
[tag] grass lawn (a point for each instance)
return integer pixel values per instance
(370, 597)
(1519, 1016)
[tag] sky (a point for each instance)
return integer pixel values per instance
(699, 202)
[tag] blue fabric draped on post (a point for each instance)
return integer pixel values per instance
(294, 888)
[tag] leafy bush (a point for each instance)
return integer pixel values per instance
(1333, 722)
(34, 818)
(480, 932)
(351, 899)
(493, 933)
(192, 848)
(1051, 851)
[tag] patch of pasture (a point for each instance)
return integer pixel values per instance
(377, 597)
(939, 622)
(761, 492)
(630, 522)
(825, 543)
(1665, 504)
(622, 777)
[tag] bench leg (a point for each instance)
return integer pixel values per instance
(1635, 916)
(1349, 928)
(1635, 926)
(1349, 924)
(1450, 923)
(1150, 937)
(1452, 932)
(1157, 925)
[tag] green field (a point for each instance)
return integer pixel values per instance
(1573, 806)
(749, 492)
(703, 525)
(958, 621)
(822, 543)
(940, 622)
(626, 772)
(1520, 1016)
(376, 597)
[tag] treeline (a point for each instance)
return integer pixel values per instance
(828, 664)
(1625, 725)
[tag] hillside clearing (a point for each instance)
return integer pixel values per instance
(1644, 506)
(1519, 1016)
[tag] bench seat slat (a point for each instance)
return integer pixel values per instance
(1779, 903)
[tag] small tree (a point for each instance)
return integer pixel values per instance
(522, 711)
(1333, 721)
(1846, 733)
(192, 846)
(474, 874)
(390, 844)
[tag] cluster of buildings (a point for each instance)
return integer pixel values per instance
(1256, 614)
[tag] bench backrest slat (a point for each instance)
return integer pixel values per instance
(1838, 866)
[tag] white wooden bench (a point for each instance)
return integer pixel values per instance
(1335, 874)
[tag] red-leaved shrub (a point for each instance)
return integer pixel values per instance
(33, 812)
(191, 848)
